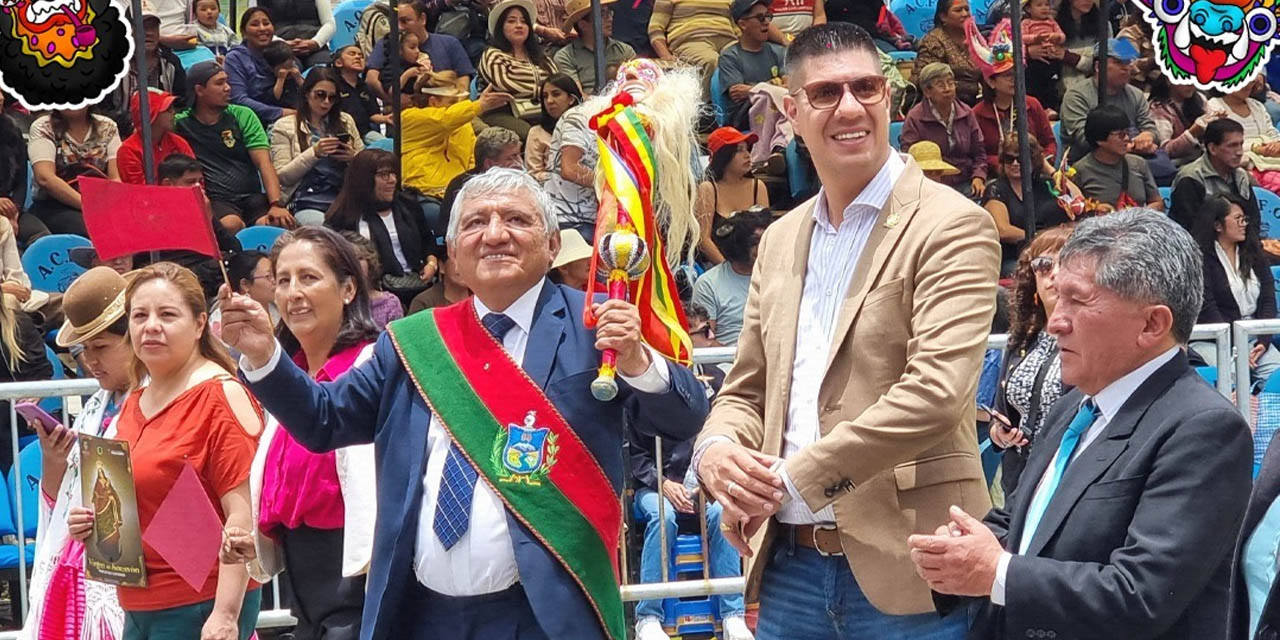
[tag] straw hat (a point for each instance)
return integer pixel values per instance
(441, 83)
(572, 248)
(529, 10)
(929, 156)
(92, 303)
(576, 9)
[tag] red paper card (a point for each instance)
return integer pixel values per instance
(129, 218)
(186, 531)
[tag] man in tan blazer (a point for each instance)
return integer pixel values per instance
(848, 420)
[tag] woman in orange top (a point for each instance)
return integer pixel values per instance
(191, 413)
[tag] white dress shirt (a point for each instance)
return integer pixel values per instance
(1109, 401)
(482, 561)
(833, 256)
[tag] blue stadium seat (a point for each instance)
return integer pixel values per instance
(9, 552)
(29, 486)
(189, 57)
(1057, 140)
(1269, 206)
(980, 10)
(259, 238)
(895, 134)
(916, 15)
(797, 176)
(386, 144)
(902, 56)
(53, 403)
(1167, 194)
(720, 100)
(48, 263)
(347, 17)
(475, 86)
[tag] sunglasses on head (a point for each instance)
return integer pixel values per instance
(1042, 265)
(823, 95)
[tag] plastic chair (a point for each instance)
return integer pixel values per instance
(1269, 207)
(190, 57)
(1057, 140)
(797, 177)
(386, 144)
(980, 10)
(29, 486)
(47, 262)
(1167, 194)
(475, 87)
(347, 18)
(895, 135)
(899, 57)
(259, 238)
(720, 100)
(9, 552)
(916, 15)
(53, 403)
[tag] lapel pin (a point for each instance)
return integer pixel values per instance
(892, 220)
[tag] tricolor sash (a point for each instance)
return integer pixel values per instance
(520, 445)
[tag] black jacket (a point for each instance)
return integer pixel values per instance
(417, 241)
(1014, 460)
(1136, 542)
(676, 455)
(1220, 305)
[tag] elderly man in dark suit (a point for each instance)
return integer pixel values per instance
(499, 475)
(1124, 522)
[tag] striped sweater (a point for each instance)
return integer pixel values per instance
(520, 78)
(682, 21)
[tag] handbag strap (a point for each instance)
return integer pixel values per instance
(1032, 419)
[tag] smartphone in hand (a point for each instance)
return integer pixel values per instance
(33, 413)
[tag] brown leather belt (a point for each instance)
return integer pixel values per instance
(823, 538)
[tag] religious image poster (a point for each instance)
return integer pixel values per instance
(113, 551)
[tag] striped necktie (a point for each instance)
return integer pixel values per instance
(1087, 414)
(458, 480)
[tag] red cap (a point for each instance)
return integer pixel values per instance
(724, 136)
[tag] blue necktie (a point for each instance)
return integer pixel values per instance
(1070, 440)
(458, 481)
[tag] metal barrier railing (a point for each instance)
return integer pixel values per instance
(1243, 331)
(1220, 334)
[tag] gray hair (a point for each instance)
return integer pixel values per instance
(502, 181)
(492, 141)
(1143, 256)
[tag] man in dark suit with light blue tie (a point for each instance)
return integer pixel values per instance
(498, 473)
(1124, 522)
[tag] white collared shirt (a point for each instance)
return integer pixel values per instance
(833, 256)
(1110, 400)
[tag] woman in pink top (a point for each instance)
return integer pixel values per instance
(314, 511)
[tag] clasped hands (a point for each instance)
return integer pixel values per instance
(960, 558)
(747, 487)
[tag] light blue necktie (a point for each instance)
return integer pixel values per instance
(1070, 440)
(458, 481)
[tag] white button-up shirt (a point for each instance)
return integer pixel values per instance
(833, 256)
(483, 560)
(1109, 401)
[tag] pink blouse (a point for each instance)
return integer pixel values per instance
(300, 488)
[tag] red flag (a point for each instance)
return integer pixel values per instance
(124, 218)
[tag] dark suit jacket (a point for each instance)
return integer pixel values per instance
(1266, 488)
(377, 402)
(1134, 544)
(417, 240)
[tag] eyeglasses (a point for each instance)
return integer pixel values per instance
(385, 174)
(762, 17)
(324, 96)
(1042, 265)
(867, 90)
(1240, 220)
(268, 277)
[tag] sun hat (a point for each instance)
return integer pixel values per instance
(572, 248)
(92, 303)
(495, 13)
(576, 9)
(929, 156)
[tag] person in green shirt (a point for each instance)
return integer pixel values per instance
(233, 151)
(578, 59)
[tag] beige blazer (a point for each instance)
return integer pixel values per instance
(898, 441)
(290, 161)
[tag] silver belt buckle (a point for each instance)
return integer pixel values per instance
(817, 547)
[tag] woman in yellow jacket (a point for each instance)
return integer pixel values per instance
(437, 142)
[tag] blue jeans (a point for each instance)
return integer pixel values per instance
(807, 596)
(725, 561)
